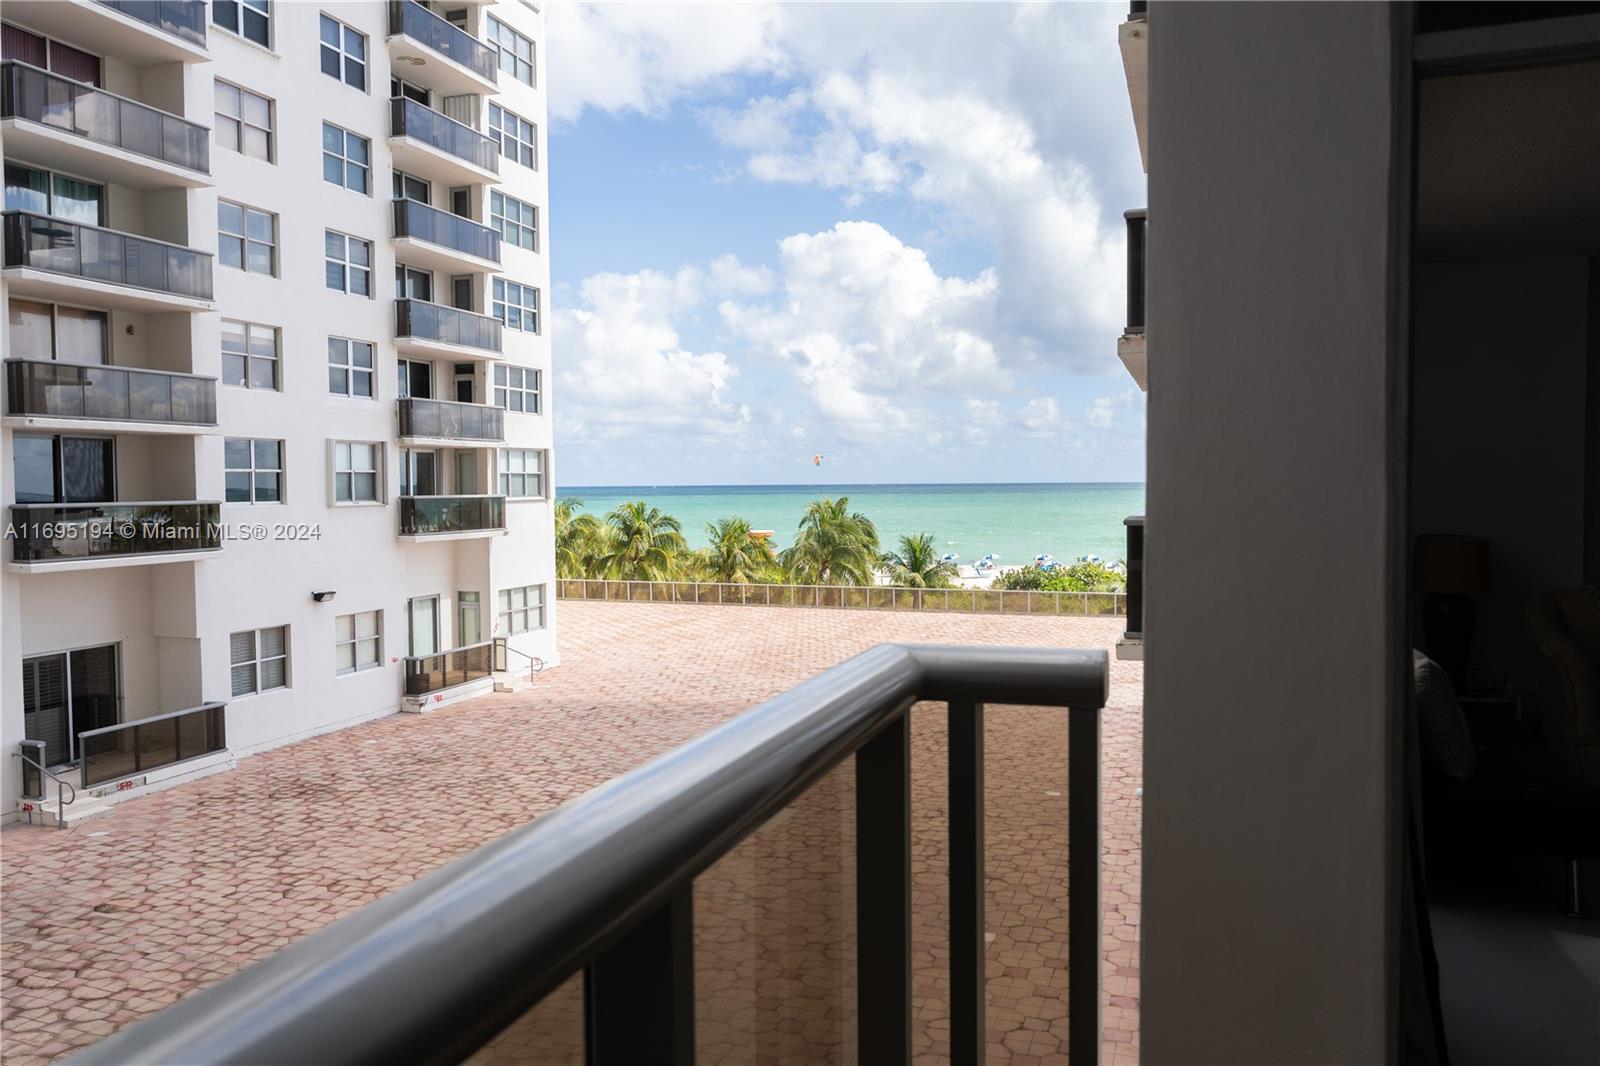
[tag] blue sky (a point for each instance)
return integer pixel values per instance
(889, 235)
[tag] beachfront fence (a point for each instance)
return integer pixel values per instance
(860, 597)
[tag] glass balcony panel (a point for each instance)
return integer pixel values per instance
(408, 118)
(448, 420)
(105, 255)
(106, 393)
(104, 117)
(59, 390)
(431, 515)
(147, 744)
(150, 398)
(423, 26)
(551, 1033)
(447, 669)
(183, 19)
(447, 325)
(54, 532)
(425, 223)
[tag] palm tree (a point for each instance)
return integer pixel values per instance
(834, 546)
(580, 540)
(645, 544)
(736, 555)
(917, 564)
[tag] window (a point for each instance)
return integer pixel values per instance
(516, 305)
(64, 469)
(253, 470)
(247, 239)
(516, 136)
(407, 187)
(521, 472)
(344, 53)
(401, 87)
(346, 158)
(55, 331)
(349, 264)
(243, 121)
(412, 284)
(260, 659)
(517, 222)
(57, 58)
(516, 51)
(249, 355)
(358, 641)
(250, 19)
(516, 388)
(57, 195)
(355, 472)
(350, 367)
(521, 610)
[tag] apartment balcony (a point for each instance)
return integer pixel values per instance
(452, 517)
(107, 399)
(437, 240)
(437, 331)
(427, 422)
(59, 261)
(69, 126)
(1133, 39)
(144, 745)
(140, 32)
(581, 934)
(430, 52)
(1131, 646)
(51, 537)
(438, 148)
(427, 674)
(1131, 345)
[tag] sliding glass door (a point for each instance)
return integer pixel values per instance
(67, 693)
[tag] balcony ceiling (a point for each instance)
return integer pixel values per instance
(1508, 163)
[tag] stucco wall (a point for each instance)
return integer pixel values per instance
(1271, 446)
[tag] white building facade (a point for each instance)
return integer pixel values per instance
(276, 447)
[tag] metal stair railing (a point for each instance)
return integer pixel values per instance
(43, 772)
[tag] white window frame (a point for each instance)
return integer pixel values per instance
(347, 266)
(341, 463)
(343, 52)
(515, 219)
(505, 40)
(221, 121)
(256, 661)
(506, 130)
(253, 470)
(349, 368)
(501, 305)
(516, 471)
(251, 330)
(345, 161)
(508, 608)
(504, 391)
(245, 240)
(355, 641)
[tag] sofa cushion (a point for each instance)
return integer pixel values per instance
(1442, 726)
(1580, 614)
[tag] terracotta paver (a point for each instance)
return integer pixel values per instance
(124, 914)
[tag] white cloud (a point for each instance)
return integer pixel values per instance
(869, 329)
(1041, 417)
(1101, 414)
(621, 366)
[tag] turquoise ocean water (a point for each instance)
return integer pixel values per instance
(1015, 522)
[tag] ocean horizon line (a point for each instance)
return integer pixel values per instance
(853, 485)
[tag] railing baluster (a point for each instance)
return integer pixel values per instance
(883, 895)
(1083, 884)
(638, 996)
(967, 957)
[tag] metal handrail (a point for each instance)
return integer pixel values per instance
(502, 644)
(61, 783)
(603, 884)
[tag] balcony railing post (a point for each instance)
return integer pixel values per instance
(968, 1035)
(638, 997)
(883, 895)
(1083, 884)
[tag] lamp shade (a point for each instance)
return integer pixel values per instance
(1452, 565)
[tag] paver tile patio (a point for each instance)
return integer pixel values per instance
(124, 914)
